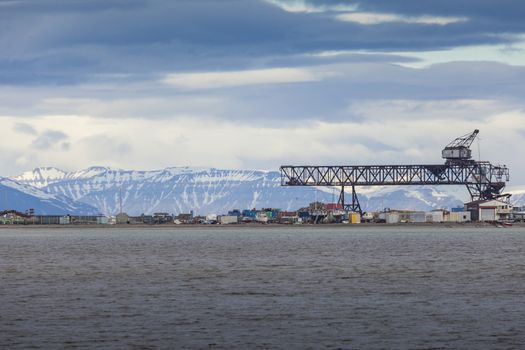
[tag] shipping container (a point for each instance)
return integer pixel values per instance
(463, 216)
(354, 218)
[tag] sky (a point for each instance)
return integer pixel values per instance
(255, 84)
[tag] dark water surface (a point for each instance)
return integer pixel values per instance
(245, 288)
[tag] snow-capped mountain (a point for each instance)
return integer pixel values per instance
(174, 190)
(209, 190)
(41, 177)
(21, 197)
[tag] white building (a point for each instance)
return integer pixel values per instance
(489, 210)
(261, 217)
(402, 216)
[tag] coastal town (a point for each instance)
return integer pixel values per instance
(490, 211)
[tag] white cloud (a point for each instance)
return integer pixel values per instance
(152, 144)
(370, 18)
(300, 6)
(445, 111)
(207, 80)
(513, 54)
(139, 107)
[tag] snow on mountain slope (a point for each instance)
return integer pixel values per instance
(414, 197)
(209, 190)
(41, 177)
(179, 190)
(17, 196)
(518, 195)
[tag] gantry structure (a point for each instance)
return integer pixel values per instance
(483, 180)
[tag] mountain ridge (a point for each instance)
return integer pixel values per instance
(211, 190)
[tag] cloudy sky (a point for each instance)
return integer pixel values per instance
(255, 84)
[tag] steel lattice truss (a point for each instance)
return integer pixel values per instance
(483, 180)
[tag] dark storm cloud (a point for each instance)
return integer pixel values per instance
(67, 42)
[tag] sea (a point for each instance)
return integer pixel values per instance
(297, 287)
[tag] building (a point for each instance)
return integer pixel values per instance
(367, 217)
(185, 218)
(489, 210)
(402, 216)
(442, 215)
(51, 220)
(334, 206)
(85, 220)
(437, 215)
(249, 213)
(518, 214)
(417, 216)
(288, 217)
(457, 216)
(304, 216)
(261, 217)
(235, 212)
(162, 218)
(14, 217)
(272, 214)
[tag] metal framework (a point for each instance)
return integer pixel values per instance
(483, 180)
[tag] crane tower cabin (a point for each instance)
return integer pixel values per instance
(459, 149)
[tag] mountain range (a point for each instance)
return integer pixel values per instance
(173, 190)
(203, 190)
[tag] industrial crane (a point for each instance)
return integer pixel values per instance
(482, 179)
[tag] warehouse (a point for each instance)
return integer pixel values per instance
(489, 210)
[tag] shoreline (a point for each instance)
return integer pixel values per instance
(255, 226)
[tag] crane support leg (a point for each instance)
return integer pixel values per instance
(342, 197)
(354, 206)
